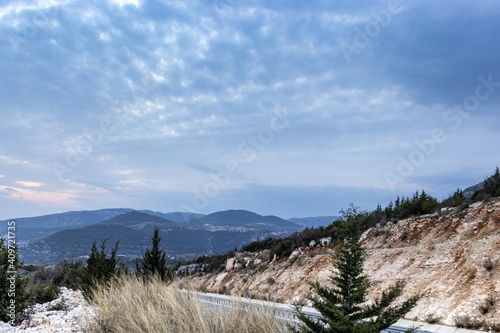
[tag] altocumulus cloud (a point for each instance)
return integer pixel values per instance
(143, 103)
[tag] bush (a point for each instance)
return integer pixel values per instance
(489, 264)
(59, 306)
(44, 292)
(431, 318)
(494, 326)
(64, 274)
(468, 322)
(487, 305)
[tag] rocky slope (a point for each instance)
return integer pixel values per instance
(65, 314)
(452, 258)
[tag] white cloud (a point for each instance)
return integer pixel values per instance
(39, 5)
(59, 199)
(122, 3)
(29, 184)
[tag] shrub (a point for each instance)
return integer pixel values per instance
(64, 274)
(494, 326)
(431, 318)
(489, 264)
(44, 292)
(59, 306)
(468, 322)
(487, 305)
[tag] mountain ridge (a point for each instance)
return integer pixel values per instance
(134, 229)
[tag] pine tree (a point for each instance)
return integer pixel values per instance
(154, 261)
(100, 269)
(378, 213)
(342, 306)
(492, 184)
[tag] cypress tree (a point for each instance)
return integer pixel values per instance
(154, 261)
(99, 269)
(342, 306)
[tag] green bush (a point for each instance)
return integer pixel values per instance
(64, 274)
(44, 292)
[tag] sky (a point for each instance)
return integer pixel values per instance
(289, 108)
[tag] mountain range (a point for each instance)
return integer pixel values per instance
(67, 236)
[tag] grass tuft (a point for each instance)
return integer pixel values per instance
(129, 304)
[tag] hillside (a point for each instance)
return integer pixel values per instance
(452, 258)
(33, 228)
(177, 217)
(219, 233)
(138, 220)
(134, 231)
(241, 220)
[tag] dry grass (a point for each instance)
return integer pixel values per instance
(468, 322)
(130, 305)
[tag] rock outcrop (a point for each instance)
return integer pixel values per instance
(452, 258)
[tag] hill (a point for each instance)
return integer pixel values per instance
(69, 219)
(138, 220)
(452, 258)
(241, 220)
(220, 232)
(33, 228)
(177, 217)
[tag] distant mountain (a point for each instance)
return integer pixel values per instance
(137, 220)
(214, 233)
(69, 219)
(469, 191)
(241, 220)
(178, 217)
(318, 221)
(29, 229)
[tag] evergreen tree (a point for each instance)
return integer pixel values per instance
(492, 184)
(13, 293)
(154, 261)
(342, 306)
(389, 211)
(379, 213)
(100, 269)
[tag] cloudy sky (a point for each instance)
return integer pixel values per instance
(292, 108)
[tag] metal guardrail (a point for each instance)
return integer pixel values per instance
(284, 312)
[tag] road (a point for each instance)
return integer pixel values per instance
(286, 314)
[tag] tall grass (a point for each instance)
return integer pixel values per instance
(129, 304)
